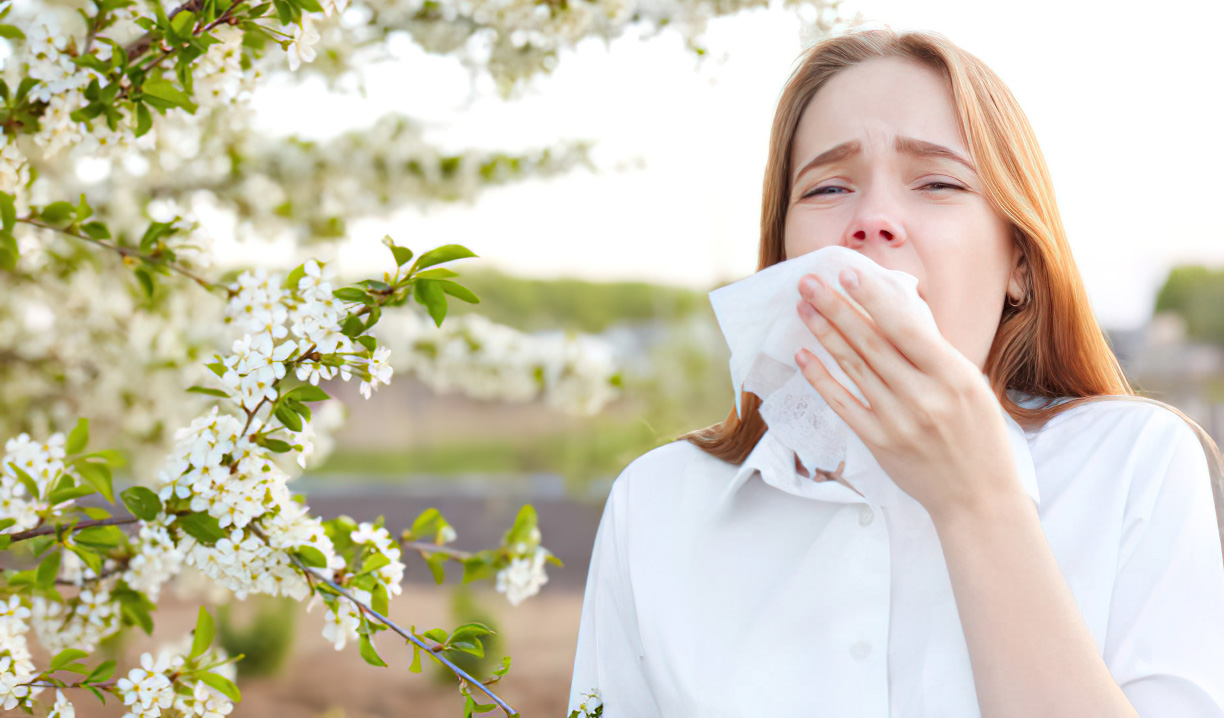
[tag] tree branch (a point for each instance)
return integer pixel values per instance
(126, 252)
(48, 530)
(406, 634)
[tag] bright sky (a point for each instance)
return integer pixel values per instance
(1125, 101)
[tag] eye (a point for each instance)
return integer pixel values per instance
(940, 186)
(820, 191)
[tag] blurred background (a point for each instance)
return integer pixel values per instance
(645, 197)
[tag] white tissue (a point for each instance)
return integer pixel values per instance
(759, 319)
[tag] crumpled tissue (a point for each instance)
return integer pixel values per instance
(763, 328)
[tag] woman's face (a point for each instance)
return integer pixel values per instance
(882, 200)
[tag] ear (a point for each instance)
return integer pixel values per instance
(1018, 281)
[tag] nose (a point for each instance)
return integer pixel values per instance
(877, 228)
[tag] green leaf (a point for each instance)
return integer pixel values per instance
(97, 476)
(436, 273)
(369, 654)
(203, 527)
(428, 294)
(352, 294)
(445, 253)
(88, 556)
(295, 276)
(402, 255)
(306, 392)
(97, 230)
(476, 568)
(146, 281)
(66, 656)
(289, 418)
(26, 480)
(68, 493)
(275, 445)
(100, 537)
(416, 659)
(223, 684)
(523, 523)
(48, 570)
(373, 562)
(203, 634)
(208, 391)
(9, 253)
(473, 647)
(425, 521)
(58, 214)
(8, 211)
(311, 556)
(183, 22)
(5, 523)
(437, 635)
(103, 672)
(144, 119)
(379, 600)
(435, 563)
(84, 211)
(78, 438)
(135, 607)
(142, 502)
(162, 94)
(11, 32)
(351, 327)
(458, 291)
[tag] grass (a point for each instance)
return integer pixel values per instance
(596, 448)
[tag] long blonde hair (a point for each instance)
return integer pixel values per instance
(1051, 346)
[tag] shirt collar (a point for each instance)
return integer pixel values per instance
(775, 464)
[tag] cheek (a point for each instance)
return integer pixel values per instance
(807, 233)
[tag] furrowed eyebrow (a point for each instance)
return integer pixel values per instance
(905, 145)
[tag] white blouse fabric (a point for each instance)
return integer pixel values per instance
(718, 590)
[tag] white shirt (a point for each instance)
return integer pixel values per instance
(718, 590)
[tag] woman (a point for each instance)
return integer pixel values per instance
(1083, 579)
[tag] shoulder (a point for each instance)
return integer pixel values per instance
(1125, 420)
(1144, 440)
(659, 477)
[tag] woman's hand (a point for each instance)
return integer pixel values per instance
(933, 424)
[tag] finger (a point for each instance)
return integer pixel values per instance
(858, 417)
(862, 335)
(875, 391)
(889, 308)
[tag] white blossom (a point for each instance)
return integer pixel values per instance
(301, 48)
(523, 578)
(146, 690)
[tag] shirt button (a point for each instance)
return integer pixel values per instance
(860, 650)
(865, 515)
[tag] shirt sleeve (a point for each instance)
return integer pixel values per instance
(609, 658)
(1165, 636)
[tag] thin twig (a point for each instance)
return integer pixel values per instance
(125, 252)
(435, 548)
(406, 634)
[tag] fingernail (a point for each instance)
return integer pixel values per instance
(849, 278)
(801, 358)
(813, 287)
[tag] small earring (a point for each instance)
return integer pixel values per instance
(1022, 302)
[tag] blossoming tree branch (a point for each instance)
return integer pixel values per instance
(121, 119)
(222, 505)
